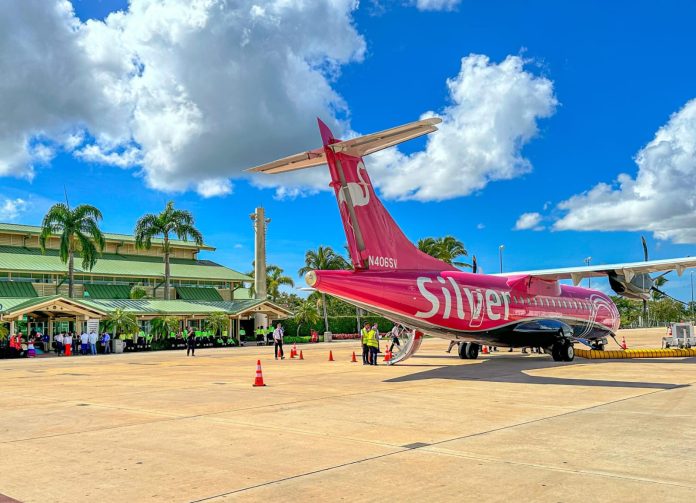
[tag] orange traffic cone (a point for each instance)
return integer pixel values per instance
(354, 360)
(387, 356)
(293, 353)
(301, 355)
(484, 350)
(623, 342)
(259, 375)
(331, 356)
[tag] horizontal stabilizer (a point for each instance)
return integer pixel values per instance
(357, 147)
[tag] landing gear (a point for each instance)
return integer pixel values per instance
(562, 351)
(468, 351)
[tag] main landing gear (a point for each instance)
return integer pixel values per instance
(562, 350)
(468, 350)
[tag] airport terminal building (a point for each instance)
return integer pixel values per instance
(34, 285)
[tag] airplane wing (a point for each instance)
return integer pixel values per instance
(629, 270)
(357, 147)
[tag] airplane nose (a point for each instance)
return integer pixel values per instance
(311, 278)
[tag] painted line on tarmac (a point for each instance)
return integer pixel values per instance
(430, 450)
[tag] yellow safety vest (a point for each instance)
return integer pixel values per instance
(365, 336)
(372, 339)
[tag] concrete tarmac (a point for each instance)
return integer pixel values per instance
(506, 427)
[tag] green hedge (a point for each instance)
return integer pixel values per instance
(337, 325)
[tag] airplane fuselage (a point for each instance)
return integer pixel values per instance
(514, 311)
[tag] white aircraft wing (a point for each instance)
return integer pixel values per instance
(629, 269)
(358, 147)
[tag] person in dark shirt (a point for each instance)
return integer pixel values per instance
(191, 342)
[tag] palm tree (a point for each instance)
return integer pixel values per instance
(78, 232)
(164, 325)
(121, 321)
(169, 221)
(323, 259)
(306, 313)
(217, 322)
(447, 249)
(276, 279)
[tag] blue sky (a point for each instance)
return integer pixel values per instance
(618, 72)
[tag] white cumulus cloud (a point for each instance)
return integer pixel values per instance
(437, 4)
(186, 90)
(10, 209)
(493, 113)
(660, 198)
(529, 221)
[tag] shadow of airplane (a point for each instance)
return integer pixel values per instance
(513, 370)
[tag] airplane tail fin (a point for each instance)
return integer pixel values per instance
(375, 241)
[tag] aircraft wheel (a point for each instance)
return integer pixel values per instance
(568, 352)
(463, 347)
(556, 352)
(472, 350)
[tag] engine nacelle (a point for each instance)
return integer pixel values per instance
(637, 287)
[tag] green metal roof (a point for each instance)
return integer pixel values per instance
(15, 304)
(174, 307)
(195, 293)
(145, 306)
(109, 236)
(17, 289)
(23, 259)
(96, 291)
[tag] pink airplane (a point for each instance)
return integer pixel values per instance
(393, 278)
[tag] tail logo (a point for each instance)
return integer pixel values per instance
(359, 191)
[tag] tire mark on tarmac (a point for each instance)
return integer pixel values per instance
(472, 435)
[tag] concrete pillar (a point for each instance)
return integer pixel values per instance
(12, 327)
(260, 222)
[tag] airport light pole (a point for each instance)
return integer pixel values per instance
(587, 263)
(500, 256)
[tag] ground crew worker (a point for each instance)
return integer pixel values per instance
(366, 349)
(373, 345)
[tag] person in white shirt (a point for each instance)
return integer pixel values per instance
(278, 342)
(84, 343)
(67, 343)
(58, 340)
(93, 342)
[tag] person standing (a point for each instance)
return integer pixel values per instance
(93, 342)
(84, 343)
(278, 342)
(373, 345)
(106, 340)
(58, 343)
(375, 329)
(68, 342)
(364, 333)
(191, 342)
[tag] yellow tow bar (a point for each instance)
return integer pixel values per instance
(622, 354)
